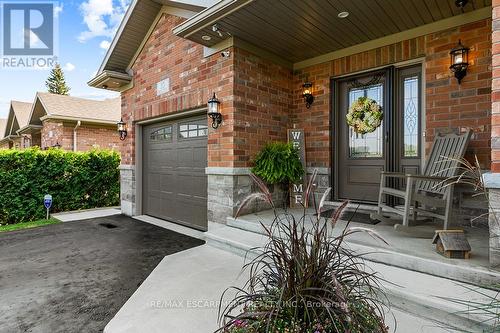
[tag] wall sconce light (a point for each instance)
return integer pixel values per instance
(307, 94)
(459, 61)
(214, 111)
(57, 145)
(122, 129)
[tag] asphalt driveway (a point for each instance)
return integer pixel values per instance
(74, 276)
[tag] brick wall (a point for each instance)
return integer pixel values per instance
(260, 99)
(91, 136)
(88, 136)
(53, 133)
(262, 102)
(193, 79)
(495, 96)
(449, 106)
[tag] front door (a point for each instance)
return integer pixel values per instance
(394, 146)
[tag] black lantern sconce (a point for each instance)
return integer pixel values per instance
(459, 61)
(214, 111)
(307, 94)
(122, 129)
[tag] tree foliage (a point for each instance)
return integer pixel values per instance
(56, 83)
(76, 180)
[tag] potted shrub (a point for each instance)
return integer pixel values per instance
(279, 163)
(304, 280)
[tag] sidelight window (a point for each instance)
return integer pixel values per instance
(411, 116)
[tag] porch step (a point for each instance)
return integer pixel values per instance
(456, 270)
(421, 294)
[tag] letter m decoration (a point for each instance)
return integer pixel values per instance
(27, 28)
(296, 138)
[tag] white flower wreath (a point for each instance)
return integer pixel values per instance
(365, 115)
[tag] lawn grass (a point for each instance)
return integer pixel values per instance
(27, 225)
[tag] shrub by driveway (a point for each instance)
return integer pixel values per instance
(76, 180)
(74, 276)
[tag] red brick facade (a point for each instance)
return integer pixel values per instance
(256, 94)
(449, 106)
(88, 136)
(261, 99)
(495, 95)
(193, 79)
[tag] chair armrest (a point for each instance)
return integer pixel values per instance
(429, 178)
(394, 174)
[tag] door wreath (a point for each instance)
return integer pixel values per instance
(365, 115)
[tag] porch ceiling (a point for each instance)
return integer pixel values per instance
(297, 30)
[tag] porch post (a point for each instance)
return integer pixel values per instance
(492, 180)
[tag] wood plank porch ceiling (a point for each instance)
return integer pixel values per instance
(297, 30)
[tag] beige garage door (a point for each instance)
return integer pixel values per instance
(175, 183)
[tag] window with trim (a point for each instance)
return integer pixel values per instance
(192, 130)
(161, 135)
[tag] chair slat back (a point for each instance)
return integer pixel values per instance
(444, 160)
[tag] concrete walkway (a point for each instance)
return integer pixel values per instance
(87, 214)
(183, 292)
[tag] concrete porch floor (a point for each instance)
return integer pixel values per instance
(404, 249)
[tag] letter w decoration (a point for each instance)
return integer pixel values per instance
(296, 138)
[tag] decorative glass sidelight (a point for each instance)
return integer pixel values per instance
(367, 145)
(411, 116)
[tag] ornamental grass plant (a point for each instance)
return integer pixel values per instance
(304, 279)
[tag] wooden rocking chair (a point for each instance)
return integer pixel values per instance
(426, 194)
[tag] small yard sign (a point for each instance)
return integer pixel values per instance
(47, 202)
(296, 138)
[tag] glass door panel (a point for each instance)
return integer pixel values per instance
(368, 145)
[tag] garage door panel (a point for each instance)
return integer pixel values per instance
(174, 169)
(189, 185)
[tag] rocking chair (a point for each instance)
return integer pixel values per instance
(426, 194)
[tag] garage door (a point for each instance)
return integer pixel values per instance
(175, 183)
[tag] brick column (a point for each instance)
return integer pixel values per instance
(495, 88)
(492, 180)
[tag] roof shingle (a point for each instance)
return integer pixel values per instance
(108, 110)
(22, 112)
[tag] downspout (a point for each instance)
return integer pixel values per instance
(78, 124)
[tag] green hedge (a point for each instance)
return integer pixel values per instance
(76, 180)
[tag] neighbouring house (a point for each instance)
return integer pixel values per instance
(258, 56)
(18, 117)
(3, 125)
(72, 123)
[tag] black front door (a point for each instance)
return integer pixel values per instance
(394, 146)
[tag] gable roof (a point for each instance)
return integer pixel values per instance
(452, 240)
(3, 124)
(19, 113)
(75, 108)
(134, 27)
(137, 24)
